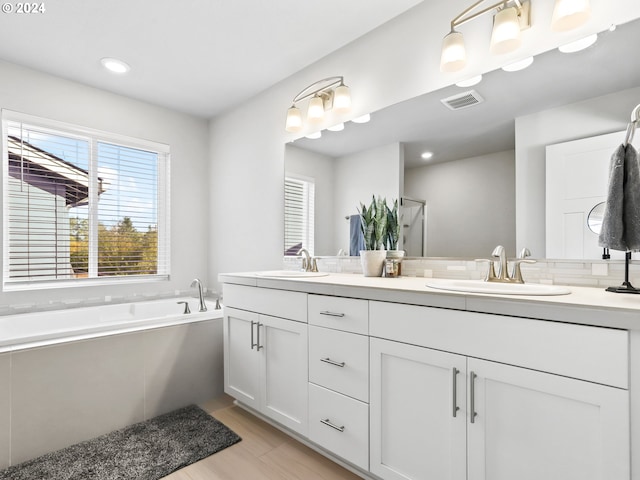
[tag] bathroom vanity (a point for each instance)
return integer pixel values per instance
(402, 381)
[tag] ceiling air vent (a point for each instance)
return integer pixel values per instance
(463, 100)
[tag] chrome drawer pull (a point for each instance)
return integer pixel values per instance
(253, 344)
(332, 314)
(333, 362)
(328, 423)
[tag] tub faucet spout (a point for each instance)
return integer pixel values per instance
(197, 283)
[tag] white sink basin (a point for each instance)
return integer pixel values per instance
(291, 274)
(479, 286)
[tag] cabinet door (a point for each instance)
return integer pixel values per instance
(283, 345)
(531, 425)
(242, 360)
(415, 432)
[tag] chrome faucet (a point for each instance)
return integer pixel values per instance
(308, 264)
(197, 283)
(501, 255)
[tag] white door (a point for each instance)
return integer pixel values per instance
(418, 413)
(284, 352)
(242, 362)
(577, 174)
(531, 425)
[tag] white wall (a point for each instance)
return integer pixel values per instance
(596, 116)
(397, 61)
(357, 178)
(35, 93)
(320, 168)
(470, 204)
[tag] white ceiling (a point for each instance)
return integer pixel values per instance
(195, 56)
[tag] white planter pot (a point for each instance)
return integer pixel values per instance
(372, 262)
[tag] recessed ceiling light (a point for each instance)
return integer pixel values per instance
(336, 128)
(114, 65)
(314, 135)
(470, 82)
(363, 119)
(578, 45)
(519, 65)
(426, 155)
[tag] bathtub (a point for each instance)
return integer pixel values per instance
(29, 330)
(70, 375)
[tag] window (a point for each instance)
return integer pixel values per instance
(81, 204)
(299, 193)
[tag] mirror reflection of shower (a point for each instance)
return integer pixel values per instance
(412, 222)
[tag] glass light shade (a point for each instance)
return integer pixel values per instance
(454, 55)
(315, 113)
(505, 36)
(569, 14)
(294, 120)
(342, 99)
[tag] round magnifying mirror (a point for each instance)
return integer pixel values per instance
(594, 219)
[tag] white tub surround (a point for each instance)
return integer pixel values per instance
(68, 376)
(406, 381)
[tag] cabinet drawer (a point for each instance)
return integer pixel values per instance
(348, 314)
(339, 361)
(340, 424)
(594, 354)
(267, 301)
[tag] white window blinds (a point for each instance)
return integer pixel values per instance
(299, 195)
(81, 204)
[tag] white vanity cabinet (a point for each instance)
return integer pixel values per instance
(266, 355)
(339, 377)
(536, 399)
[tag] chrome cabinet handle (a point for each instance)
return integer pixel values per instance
(253, 344)
(333, 362)
(328, 423)
(455, 406)
(332, 314)
(258, 346)
(472, 397)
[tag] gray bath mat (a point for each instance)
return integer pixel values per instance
(145, 451)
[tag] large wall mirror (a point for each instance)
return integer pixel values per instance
(462, 202)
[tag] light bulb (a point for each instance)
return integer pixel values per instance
(342, 99)
(505, 36)
(294, 120)
(454, 55)
(570, 14)
(315, 113)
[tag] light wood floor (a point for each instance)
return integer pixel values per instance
(264, 453)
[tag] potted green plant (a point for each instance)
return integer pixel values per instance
(373, 224)
(393, 236)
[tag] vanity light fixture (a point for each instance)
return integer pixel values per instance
(569, 14)
(470, 82)
(519, 65)
(512, 16)
(114, 65)
(578, 45)
(326, 94)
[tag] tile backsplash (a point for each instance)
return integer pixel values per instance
(586, 273)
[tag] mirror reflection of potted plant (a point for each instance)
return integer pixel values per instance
(373, 224)
(393, 235)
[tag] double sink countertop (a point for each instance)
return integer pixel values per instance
(584, 305)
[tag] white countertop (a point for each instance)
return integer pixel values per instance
(584, 305)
